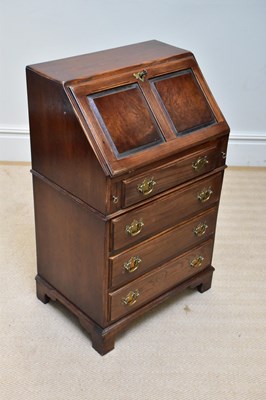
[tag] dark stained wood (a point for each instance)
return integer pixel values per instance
(59, 148)
(173, 242)
(95, 136)
(103, 338)
(106, 61)
(70, 254)
(173, 144)
(184, 101)
(41, 292)
(206, 284)
(160, 280)
(223, 150)
(164, 212)
(172, 174)
(126, 119)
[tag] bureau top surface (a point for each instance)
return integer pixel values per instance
(87, 65)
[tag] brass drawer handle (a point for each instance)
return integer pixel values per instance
(205, 195)
(141, 75)
(135, 227)
(197, 262)
(132, 264)
(200, 163)
(223, 155)
(146, 187)
(200, 230)
(131, 298)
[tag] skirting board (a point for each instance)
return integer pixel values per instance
(14, 144)
(245, 148)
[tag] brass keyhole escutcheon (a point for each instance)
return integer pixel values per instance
(201, 229)
(205, 195)
(197, 262)
(146, 187)
(135, 227)
(131, 298)
(141, 75)
(200, 163)
(223, 155)
(132, 264)
(115, 199)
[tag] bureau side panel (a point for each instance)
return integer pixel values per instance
(60, 150)
(71, 249)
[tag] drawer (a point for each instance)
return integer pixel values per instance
(144, 289)
(132, 263)
(167, 176)
(165, 211)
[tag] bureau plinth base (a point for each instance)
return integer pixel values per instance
(103, 339)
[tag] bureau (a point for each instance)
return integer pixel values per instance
(128, 151)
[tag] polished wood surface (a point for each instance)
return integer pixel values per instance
(127, 176)
(69, 250)
(106, 61)
(173, 173)
(173, 143)
(103, 339)
(184, 101)
(161, 279)
(125, 118)
(172, 241)
(164, 212)
(59, 148)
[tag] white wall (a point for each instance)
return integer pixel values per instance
(227, 37)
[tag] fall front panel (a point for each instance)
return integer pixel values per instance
(184, 101)
(126, 120)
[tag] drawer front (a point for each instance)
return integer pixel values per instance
(165, 177)
(165, 212)
(144, 289)
(132, 263)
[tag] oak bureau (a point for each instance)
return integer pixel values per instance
(128, 152)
